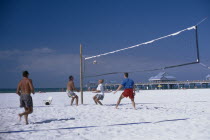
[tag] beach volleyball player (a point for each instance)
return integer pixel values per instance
(129, 90)
(70, 90)
(100, 92)
(24, 89)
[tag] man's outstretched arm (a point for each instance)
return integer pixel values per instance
(118, 88)
(74, 87)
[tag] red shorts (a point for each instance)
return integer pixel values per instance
(128, 93)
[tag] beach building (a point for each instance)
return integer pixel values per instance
(208, 77)
(162, 77)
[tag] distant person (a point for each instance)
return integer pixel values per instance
(129, 90)
(24, 89)
(70, 90)
(137, 89)
(100, 91)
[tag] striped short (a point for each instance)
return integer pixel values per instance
(26, 100)
(70, 93)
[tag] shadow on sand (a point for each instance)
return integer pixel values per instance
(33, 107)
(82, 127)
(123, 104)
(53, 120)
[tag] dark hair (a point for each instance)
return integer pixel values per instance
(71, 77)
(102, 80)
(25, 73)
(126, 74)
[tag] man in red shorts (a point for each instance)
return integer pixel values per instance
(129, 90)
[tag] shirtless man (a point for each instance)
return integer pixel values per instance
(24, 90)
(70, 90)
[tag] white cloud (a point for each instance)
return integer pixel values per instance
(9, 54)
(42, 51)
(40, 60)
(51, 63)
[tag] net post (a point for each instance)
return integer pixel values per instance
(81, 74)
(197, 48)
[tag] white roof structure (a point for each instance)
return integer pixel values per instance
(208, 77)
(162, 76)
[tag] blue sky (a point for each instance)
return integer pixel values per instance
(43, 37)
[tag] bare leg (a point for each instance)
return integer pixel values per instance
(19, 117)
(98, 101)
(72, 100)
(26, 115)
(26, 119)
(133, 103)
(76, 100)
(119, 100)
(27, 111)
(94, 99)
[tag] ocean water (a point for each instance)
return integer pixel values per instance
(13, 90)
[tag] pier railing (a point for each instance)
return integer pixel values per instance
(167, 84)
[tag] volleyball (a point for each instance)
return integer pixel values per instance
(94, 62)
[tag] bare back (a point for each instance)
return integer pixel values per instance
(70, 86)
(25, 86)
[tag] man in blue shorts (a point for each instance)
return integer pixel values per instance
(129, 90)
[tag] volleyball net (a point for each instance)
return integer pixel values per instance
(170, 51)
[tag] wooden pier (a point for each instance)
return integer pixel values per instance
(167, 85)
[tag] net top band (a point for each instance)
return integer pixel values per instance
(148, 42)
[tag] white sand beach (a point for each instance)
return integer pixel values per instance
(160, 115)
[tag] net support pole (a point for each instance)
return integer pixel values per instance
(197, 47)
(81, 74)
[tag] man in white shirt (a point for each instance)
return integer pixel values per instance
(100, 91)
